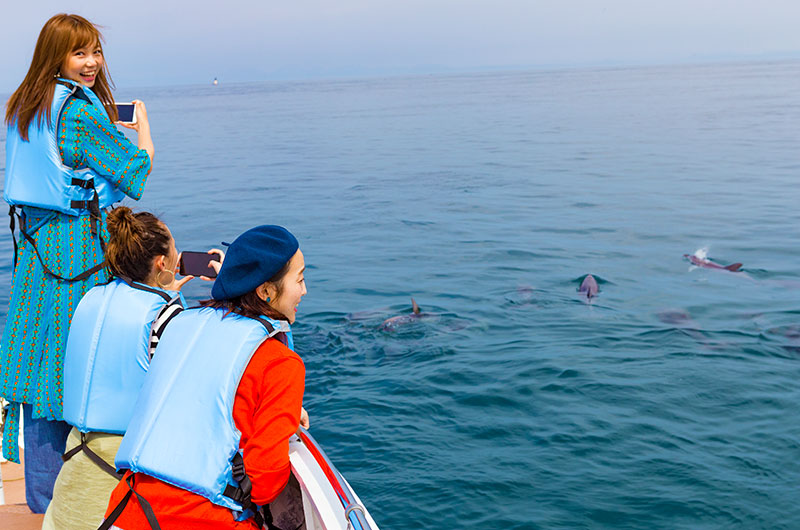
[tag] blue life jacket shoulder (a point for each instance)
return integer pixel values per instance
(183, 432)
(35, 173)
(107, 354)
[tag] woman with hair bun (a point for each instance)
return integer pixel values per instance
(209, 450)
(66, 163)
(112, 339)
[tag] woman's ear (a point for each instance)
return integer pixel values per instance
(160, 262)
(262, 291)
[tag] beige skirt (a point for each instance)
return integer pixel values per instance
(82, 489)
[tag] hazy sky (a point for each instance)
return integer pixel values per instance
(172, 42)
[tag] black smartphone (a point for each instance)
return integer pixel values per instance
(126, 112)
(196, 264)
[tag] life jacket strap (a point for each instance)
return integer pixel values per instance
(269, 327)
(94, 457)
(93, 205)
(12, 212)
(146, 508)
(280, 335)
(241, 494)
(75, 90)
(146, 288)
(87, 184)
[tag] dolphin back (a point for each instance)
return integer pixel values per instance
(708, 264)
(414, 307)
(589, 286)
(393, 323)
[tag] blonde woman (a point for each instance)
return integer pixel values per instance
(66, 162)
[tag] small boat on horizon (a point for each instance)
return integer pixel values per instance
(215, 82)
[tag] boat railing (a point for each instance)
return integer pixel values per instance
(354, 512)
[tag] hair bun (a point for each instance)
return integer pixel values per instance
(135, 240)
(122, 224)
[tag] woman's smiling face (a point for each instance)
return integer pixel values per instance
(292, 288)
(83, 65)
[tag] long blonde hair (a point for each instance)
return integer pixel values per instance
(60, 36)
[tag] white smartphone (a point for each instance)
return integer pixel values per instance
(126, 112)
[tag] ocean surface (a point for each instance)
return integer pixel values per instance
(669, 401)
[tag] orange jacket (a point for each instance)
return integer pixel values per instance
(267, 412)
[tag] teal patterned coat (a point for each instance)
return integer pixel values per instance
(41, 307)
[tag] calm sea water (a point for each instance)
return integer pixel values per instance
(670, 401)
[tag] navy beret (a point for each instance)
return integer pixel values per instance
(252, 259)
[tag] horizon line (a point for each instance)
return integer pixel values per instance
(366, 74)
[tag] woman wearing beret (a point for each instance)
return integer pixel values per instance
(209, 445)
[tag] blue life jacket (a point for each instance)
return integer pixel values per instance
(35, 173)
(107, 354)
(183, 432)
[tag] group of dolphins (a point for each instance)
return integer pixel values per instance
(588, 289)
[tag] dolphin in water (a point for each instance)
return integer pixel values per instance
(523, 296)
(682, 320)
(678, 317)
(391, 324)
(708, 264)
(589, 287)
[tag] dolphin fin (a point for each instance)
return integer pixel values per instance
(414, 307)
(734, 267)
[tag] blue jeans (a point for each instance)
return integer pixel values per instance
(45, 442)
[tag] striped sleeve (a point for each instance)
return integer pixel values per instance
(167, 313)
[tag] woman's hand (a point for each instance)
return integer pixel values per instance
(214, 264)
(177, 284)
(141, 117)
(142, 127)
(304, 421)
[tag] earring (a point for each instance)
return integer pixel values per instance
(167, 283)
(268, 299)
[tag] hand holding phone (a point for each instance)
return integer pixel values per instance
(199, 263)
(126, 113)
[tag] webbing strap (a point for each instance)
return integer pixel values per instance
(113, 516)
(142, 287)
(146, 508)
(82, 276)
(76, 90)
(281, 336)
(261, 514)
(266, 324)
(81, 183)
(93, 205)
(94, 457)
(241, 494)
(12, 211)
